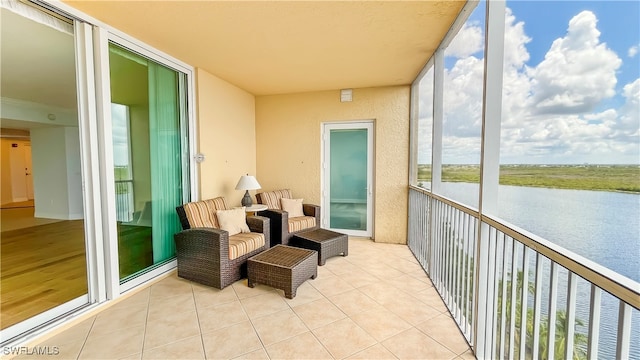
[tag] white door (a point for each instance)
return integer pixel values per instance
(27, 170)
(347, 193)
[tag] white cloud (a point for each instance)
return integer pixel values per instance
(632, 51)
(467, 42)
(577, 72)
(557, 111)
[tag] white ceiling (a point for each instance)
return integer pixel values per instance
(37, 66)
(37, 62)
(275, 47)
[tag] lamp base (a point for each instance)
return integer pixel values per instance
(246, 200)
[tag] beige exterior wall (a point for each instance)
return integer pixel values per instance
(226, 135)
(289, 147)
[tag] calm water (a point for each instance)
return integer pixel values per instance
(601, 226)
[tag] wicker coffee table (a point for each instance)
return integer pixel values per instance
(326, 242)
(283, 267)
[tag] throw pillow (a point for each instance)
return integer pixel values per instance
(234, 221)
(292, 206)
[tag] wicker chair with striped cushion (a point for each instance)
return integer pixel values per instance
(209, 255)
(284, 226)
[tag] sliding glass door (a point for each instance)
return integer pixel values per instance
(150, 158)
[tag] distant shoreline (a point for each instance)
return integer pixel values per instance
(614, 178)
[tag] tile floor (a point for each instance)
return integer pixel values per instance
(377, 303)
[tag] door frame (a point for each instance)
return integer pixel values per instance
(325, 174)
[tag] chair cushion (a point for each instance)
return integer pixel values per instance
(292, 206)
(244, 243)
(233, 221)
(272, 198)
(203, 213)
(301, 223)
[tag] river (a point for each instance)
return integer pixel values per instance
(601, 226)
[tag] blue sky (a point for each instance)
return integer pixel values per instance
(571, 84)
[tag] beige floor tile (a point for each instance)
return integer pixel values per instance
(137, 356)
(306, 293)
(116, 319)
(74, 334)
(189, 348)
(170, 287)
(359, 278)
(413, 344)
(338, 265)
(413, 311)
(468, 355)
(208, 296)
(113, 345)
(232, 341)
(178, 303)
(303, 346)
(172, 327)
(380, 323)
(243, 291)
(385, 293)
(136, 298)
(431, 297)
(353, 302)
(444, 330)
(260, 354)
(382, 271)
(408, 283)
(405, 265)
(69, 350)
(279, 326)
(343, 338)
(264, 304)
(318, 313)
(224, 315)
(331, 285)
(376, 351)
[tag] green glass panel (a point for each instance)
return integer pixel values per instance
(148, 136)
(348, 194)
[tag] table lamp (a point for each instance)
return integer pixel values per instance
(247, 183)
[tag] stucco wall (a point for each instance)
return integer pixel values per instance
(289, 147)
(226, 136)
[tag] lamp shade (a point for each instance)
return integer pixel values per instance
(247, 182)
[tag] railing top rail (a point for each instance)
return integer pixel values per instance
(620, 286)
(459, 206)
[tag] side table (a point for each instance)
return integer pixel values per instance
(253, 209)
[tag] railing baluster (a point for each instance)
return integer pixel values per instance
(537, 306)
(456, 265)
(594, 323)
(553, 308)
(503, 297)
(524, 304)
(570, 326)
(491, 294)
(514, 286)
(624, 331)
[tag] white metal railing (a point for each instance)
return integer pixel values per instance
(495, 277)
(124, 200)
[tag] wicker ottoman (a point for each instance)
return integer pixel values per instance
(326, 242)
(283, 267)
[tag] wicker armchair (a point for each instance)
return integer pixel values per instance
(283, 227)
(207, 254)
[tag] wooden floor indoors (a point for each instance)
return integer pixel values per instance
(43, 261)
(40, 267)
